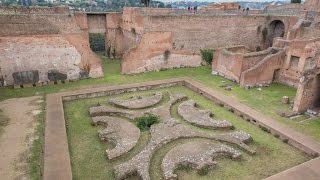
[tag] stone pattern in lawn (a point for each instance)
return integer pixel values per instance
(168, 130)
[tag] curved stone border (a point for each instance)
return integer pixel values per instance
(108, 111)
(167, 131)
(198, 155)
(138, 102)
(122, 133)
(56, 153)
(202, 118)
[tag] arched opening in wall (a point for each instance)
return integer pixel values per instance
(97, 42)
(275, 29)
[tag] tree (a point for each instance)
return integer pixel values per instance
(146, 2)
(296, 1)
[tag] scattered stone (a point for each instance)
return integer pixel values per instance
(259, 89)
(312, 112)
(228, 88)
(214, 73)
(285, 100)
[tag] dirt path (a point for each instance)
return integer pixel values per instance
(18, 136)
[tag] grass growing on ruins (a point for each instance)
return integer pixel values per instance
(88, 151)
(267, 101)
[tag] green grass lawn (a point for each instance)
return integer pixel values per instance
(267, 101)
(88, 152)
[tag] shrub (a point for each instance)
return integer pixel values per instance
(145, 122)
(207, 55)
(296, 1)
(204, 171)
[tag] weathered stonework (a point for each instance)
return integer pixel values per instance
(203, 118)
(168, 130)
(138, 102)
(198, 155)
(120, 132)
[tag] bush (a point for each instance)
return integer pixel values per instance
(204, 171)
(207, 55)
(145, 122)
(296, 1)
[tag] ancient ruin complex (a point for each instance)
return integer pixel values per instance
(278, 44)
(156, 127)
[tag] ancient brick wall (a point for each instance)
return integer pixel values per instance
(231, 62)
(193, 32)
(263, 72)
(228, 63)
(40, 48)
(96, 23)
(114, 36)
(189, 33)
(155, 52)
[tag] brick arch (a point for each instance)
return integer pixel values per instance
(276, 28)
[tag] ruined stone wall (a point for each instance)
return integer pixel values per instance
(16, 25)
(155, 52)
(231, 62)
(96, 23)
(114, 35)
(308, 91)
(312, 5)
(193, 32)
(263, 72)
(227, 63)
(189, 34)
(41, 48)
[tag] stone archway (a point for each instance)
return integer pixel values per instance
(275, 29)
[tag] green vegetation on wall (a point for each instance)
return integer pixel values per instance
(207, 55)
(97, 42)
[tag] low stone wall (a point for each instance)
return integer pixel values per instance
(263, 71)
(228, 64)
(231, 62)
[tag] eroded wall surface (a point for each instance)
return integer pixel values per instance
(188, 34)
(40, 48)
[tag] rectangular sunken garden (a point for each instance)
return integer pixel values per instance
(169, 133)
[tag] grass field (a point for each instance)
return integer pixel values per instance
(267, 101)
(89, 160)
